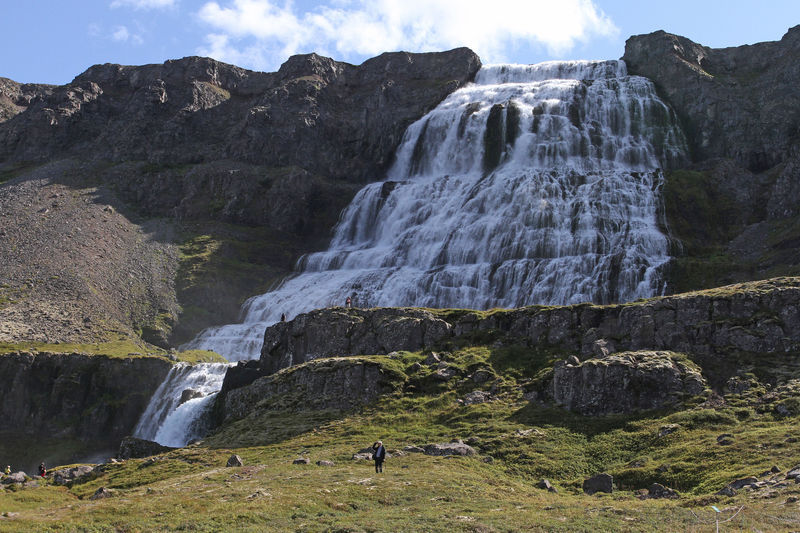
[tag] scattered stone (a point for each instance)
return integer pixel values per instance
(668, 429)
(16, 477)
(545, 485)
(302, 461)
(259, 494)
(662, 468)
(791, 499)
(743, 482)
(528, 432)
(234, 460)
(451, 448)
(637, 463)
(432, 359)
(133, 448)
(488, 459)
(325, 463)
(9, 514)
(599, 483)
(727, 491)
(781, 410)
(445, 372)
(475, 397)
(101, 493)
(790, 440)
(416, 367)
(573, 360)
(794, 473)
(77, 474)
(362, 456)
(657, 490)
(413, 449)
(482, 376)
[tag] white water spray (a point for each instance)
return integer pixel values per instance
(176, 412)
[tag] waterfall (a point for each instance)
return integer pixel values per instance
(175, 414)
(537, 184)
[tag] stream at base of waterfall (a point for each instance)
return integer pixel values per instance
(536, 184)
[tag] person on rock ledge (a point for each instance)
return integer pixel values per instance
(42, 470)
(348, 302)
(378, 455)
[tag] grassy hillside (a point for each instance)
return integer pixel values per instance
(518, 443)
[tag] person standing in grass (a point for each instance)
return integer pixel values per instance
(378, 455)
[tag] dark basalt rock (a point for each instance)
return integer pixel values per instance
(736, 103)
(328, 117)
(599, 483)
(133, 448)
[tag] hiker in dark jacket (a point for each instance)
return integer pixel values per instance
(378, 455)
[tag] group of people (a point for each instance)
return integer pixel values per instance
(42, 470)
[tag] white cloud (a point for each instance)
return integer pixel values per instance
(143, 4)
(121, 34)
(265, 33)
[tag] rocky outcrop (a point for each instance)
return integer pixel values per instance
(135, 448)
(338, 383)
(328, 117)
(736, 103)
(750, 319)
(91, 402)
(16, 97)
(342, 332)
(625, 382)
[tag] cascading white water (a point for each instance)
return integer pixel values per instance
(537, 184)
(174, 415)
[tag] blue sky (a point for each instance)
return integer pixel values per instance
(52, 41)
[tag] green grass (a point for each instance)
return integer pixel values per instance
(122, 348)
(190, 489)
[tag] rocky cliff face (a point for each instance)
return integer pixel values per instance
(84, 404)
(337, 383)
(735, 103)
(330, 118)
(610, 359)
(16, 97)
(760, 319)
(732, 214)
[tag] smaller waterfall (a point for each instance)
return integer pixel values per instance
(175, 415)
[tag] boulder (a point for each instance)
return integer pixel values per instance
(668, 429)
(325, 463)
(657, 490)
(77, 474)
(450, 448)
(793, 473)
(743, 482)
(134, 448)
(102, 493)
(189, 394)
(477, 396)
(545, 485)
(234, 460)
(727, 491)
(413, 449)
(302, 461)
(625, 382)
(362, 456)
(15, 477)
(599, 483)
